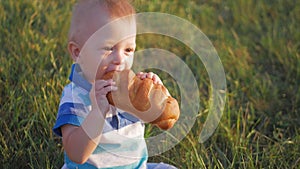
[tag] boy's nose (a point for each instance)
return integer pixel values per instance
(118, 57)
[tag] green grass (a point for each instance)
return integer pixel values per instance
(258, 43)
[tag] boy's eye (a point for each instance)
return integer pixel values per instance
(129, 50)
(108, 48)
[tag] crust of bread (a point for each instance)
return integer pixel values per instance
(150, 102)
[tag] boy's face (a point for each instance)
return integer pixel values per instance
(110, 48)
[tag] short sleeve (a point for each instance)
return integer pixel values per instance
(66, 115)
(72, 110)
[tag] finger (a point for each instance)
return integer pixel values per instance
(106, 89)
(143, 76)
(156, 79)
(103, 83)
(139, 74)
(150, 75)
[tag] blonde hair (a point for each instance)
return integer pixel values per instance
(115, 9)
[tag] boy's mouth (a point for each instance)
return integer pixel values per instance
(117, 69)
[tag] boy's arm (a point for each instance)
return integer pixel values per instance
(80, 142)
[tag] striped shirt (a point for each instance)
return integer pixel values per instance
(122, 143)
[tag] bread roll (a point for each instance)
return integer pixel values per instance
(147, 101)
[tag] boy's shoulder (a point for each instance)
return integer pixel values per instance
(73, 93)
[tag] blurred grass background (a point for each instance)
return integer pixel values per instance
(258, 43)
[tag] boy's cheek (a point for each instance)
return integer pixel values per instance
(100, 71)
(129, 62)
(91, 62)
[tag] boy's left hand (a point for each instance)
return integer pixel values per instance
(150, 75)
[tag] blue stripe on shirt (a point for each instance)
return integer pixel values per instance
(68, 114)
(129, 145)
(66, 119)
(78, 79)
(72, 108)
(119, 121)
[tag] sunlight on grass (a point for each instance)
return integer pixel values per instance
(258, 44)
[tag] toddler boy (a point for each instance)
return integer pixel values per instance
(94, 133)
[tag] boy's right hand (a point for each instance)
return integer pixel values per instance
(98, 94)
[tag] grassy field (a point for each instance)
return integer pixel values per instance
(258, 43)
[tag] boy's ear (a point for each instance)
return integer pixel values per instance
(74, 50)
